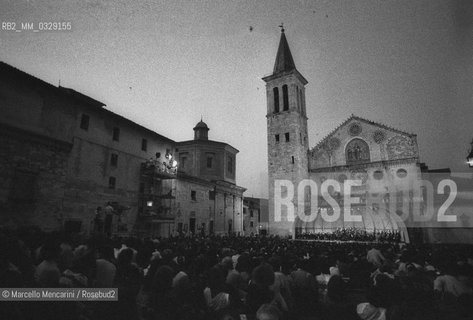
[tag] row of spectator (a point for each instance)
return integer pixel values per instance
(353, 234)
(238, 277)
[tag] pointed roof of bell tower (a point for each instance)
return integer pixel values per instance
(284, 61)
(284, 64)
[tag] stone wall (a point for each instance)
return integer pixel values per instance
(221, 209)
(32, 179)
(202, 209)
(287, 160)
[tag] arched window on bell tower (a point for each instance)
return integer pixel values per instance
(303, 111)
(285, 98)
(299, 99)
(276, 99)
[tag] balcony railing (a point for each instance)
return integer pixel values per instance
(159, 169)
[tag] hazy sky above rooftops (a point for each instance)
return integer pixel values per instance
(163, 64)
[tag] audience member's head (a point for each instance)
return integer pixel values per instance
(106, 252)
(275, 262)
(227, 263)
(50, 250)
(268, 312)
(243, 263)
(367, 311)
(162, 280)
(383, 292)
(215, 279)
(263, 275)
(336, 288)
(125, 257)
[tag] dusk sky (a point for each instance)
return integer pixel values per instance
(164, 64)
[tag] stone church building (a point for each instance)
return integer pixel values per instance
(384, 160)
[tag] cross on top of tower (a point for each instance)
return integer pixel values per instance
(282, 27)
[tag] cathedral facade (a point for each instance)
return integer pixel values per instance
(361, 175)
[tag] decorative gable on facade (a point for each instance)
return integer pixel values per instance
(358, 141)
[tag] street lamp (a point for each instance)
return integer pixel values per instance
(469, 158)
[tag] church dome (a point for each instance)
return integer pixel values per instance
(201, 131)
(201, 125)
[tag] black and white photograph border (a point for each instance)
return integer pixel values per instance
(238, 160)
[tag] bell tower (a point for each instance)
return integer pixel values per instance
(287, 136)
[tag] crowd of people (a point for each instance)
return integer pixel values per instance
(231, 277)
(354, 234)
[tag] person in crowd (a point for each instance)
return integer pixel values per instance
(11, 276)
(99, 220)
(243, 267)
(259, 291)
(304, 288)
(108, 212)
(66, 255)
(47, 272)
(418, 299)
(128, 281)
(281, 287)
(268, 312)
(383, 297)
(208, 277)
(82, 269)
(336, 305)
(451, 282)
(375, 257)
(218, 296)
(163, 300)
(105, 269)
